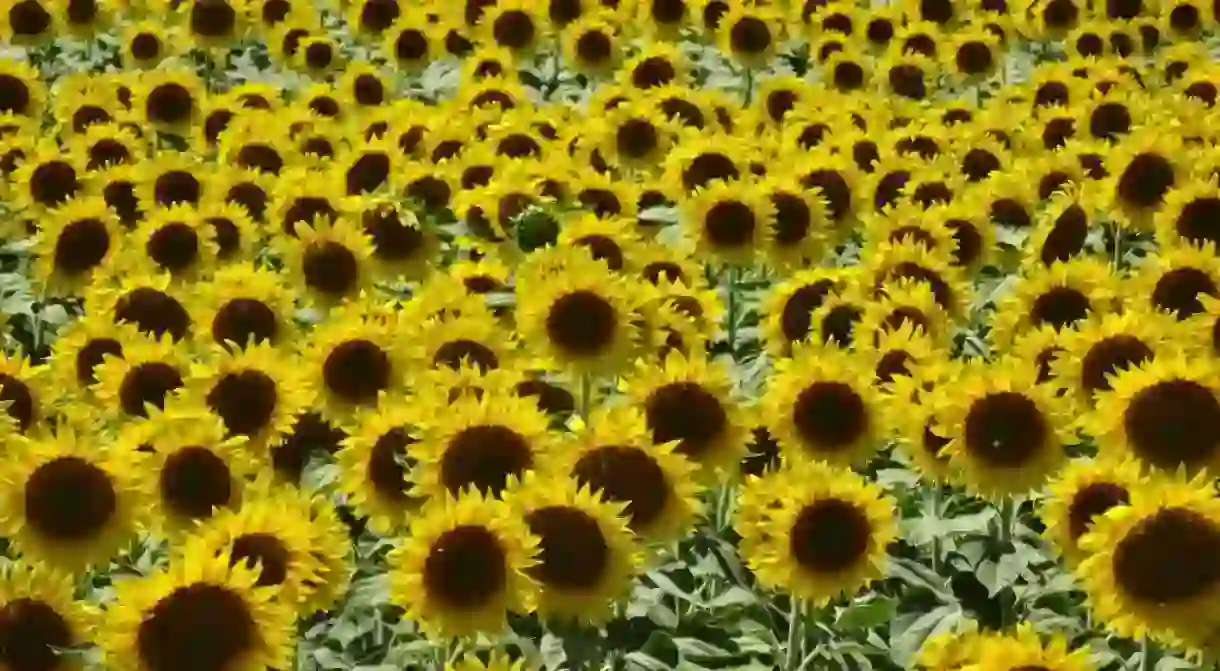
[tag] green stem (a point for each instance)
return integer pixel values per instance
(796, 634)
(1007, 518)
(1146, 655)
(586, 396)
(937, 505)
(733, 279)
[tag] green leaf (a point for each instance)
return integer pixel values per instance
(866, 615)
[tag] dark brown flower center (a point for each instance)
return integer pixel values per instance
(193, 481)
(465, 568)
(1146, 180)
(356, 371)
(174, 247)
(32, 633)
(330, 268)
(627, 475)
(1109, 356)
(1005, 429)
(1092, 501)
(245, 400)
(69, 500)
(1166, 557)
(484, 458)
(829, 535)
(573, 553)
(582, 323)
(689, 413)
(1059, 307)
(199, 626)
(830, 416)
(1172, 423)
(265, 552)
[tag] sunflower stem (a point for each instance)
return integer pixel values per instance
(732, 280)
(1146, 654)
(586, 395)
(1007, 515)
(796, 634)
(937, 506)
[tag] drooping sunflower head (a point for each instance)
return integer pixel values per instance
(69, 504)
(464, 567)
(158, 623)
(1006, 432)
(614, 456)
(816, 407)
(827, 534)
(587, 555)
(1082, 492)
(1146, 570)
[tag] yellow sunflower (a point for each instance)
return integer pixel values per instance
(150, 372)
(43, 617)
(1059, 296)
(474, 337)
(788, 307)
(376, 461)
(1082, 492)
(1148, 569)
(290, 538)
(201, 609)
(330, 261)
(25, 391)
(587, 555)
(177, 241)
(690, 401)
(169, 99)
(1162, 413)
(1100, 347)
(729, 221)
(193, 468)
(463, 567)
(355, 360)
(243, 305)
(580, 316)
(257, 391)
(613, 455)
(46, 178)
(819, 407)
(1144, 168)
(827, 537)
(79, 348)
(1026, 649)
(70, 504)
(479, 442)
(25, 93)
(1006, 432)
(403, 246)
(1061, 230)
(918, 423)
(1187, 215)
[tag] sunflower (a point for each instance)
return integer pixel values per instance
(202, 609)
(750, 34)
(614, 456)
(369, 167)
(1087, 40)
(604, 195)
(834, 321)
(1147, 570)
(75, 240)
(356, 359)
(256, 141)
(611, 240)
(898, 353)
(1062, 229)
(850, 70)
(919, 413)
(241, 305)
(431, 576)
(1059, 296)
(1082, 492)
(591, 44)
(317, 55)
(1189, 213)
(79, 347)
(106, 144)
(67, 504)
(301, 196)
(42, 619)
(331, 262)
(788, 308)
(289, 537)
(257, 391)
(889, 265)
(1143, 169)
(827, 536)
(27, 22)
(729, 220)
(46, 179)
(25, 392)
(168, 99)
(1148, 407)
(517, 25)
(481, 442)
(688, 400)
(376, 463)
(22, 92)
(150, 372)
(800, 230)
(1026, 649)
(581, 317)
(699, 305)
(815, 408)
(146, 43)
(193, 469)
(1006, 432)
(174, 179)
(176, 241)
(953, 649)
(1102, 346)
(412, 41)
(587, 555)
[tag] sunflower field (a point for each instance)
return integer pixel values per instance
(525, 335)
